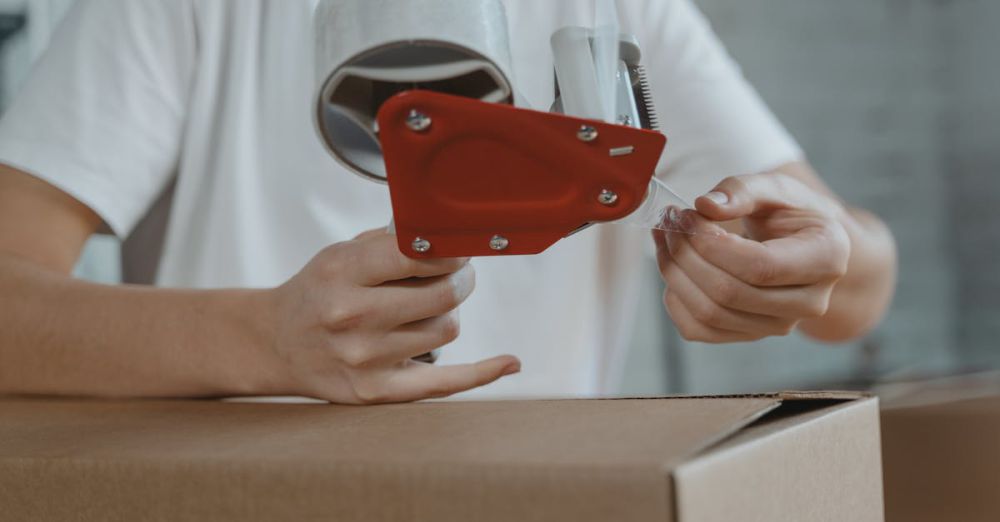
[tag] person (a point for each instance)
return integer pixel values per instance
(184, 128)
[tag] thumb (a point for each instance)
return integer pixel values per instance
(740, 196)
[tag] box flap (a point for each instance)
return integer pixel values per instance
(585, 459)
(819, 456)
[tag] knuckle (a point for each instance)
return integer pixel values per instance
(836, 265)
(688, 329)
(695, 335)
(669, 276)
(356, 356)
(735, 184)
(450, 295)
(762, 271)
(834, 270)
(685, 330)
(683, 327)
(406, 265)
(785, 328)
(673, 247)
(450, 328)
(724, 291)
(667, 298)
(456, 264)
(345, 317)
(465, 280)
(368, 393)
(816, 307)
(707, 312)
(712, 248)
(671, 302)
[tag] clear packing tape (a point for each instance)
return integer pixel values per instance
(661, 209)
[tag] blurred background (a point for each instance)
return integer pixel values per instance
(896, 102)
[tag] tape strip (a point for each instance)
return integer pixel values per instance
(661, 210)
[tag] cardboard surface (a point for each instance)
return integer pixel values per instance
(529, 460)
(803, 464)
(941, 449)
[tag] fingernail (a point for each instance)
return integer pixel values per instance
(685, 222)
(720, 198)
(511, 368)
(672, 215)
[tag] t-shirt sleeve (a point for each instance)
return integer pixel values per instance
(101, 115)
(716, 123)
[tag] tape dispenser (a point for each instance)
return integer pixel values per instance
(418, 94)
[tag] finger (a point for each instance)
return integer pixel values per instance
(424, 381)
(417, 338)
(402, 302)
(375, 259)
(790, 302)
(740, 196)
(710, 313)
(694, 330)
(812, 255)
(662, 253)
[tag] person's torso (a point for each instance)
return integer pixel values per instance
(257, 196)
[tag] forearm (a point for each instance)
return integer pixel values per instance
(863, 295)
(64, 336)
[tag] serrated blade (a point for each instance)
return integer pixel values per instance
(643, 98)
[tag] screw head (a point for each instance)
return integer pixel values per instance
(607, 197)
(499, 242)
(420, 245)
(586, 133)
(624, 119)
(418, 121)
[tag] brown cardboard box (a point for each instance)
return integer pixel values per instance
(941, 449)
(769, 458)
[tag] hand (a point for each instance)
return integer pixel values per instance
(349, 323)
(722, 287)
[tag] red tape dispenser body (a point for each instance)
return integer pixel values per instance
(469, 178)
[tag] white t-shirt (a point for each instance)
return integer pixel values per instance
(186, 125)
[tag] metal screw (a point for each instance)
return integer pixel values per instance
(499, 243)
(418, 121)
(586, 133)
(624, 119)
(607, 197)
(420, 245)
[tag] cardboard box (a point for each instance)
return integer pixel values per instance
(941, 449)
(769, 458)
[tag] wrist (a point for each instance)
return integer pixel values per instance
(257, 367)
